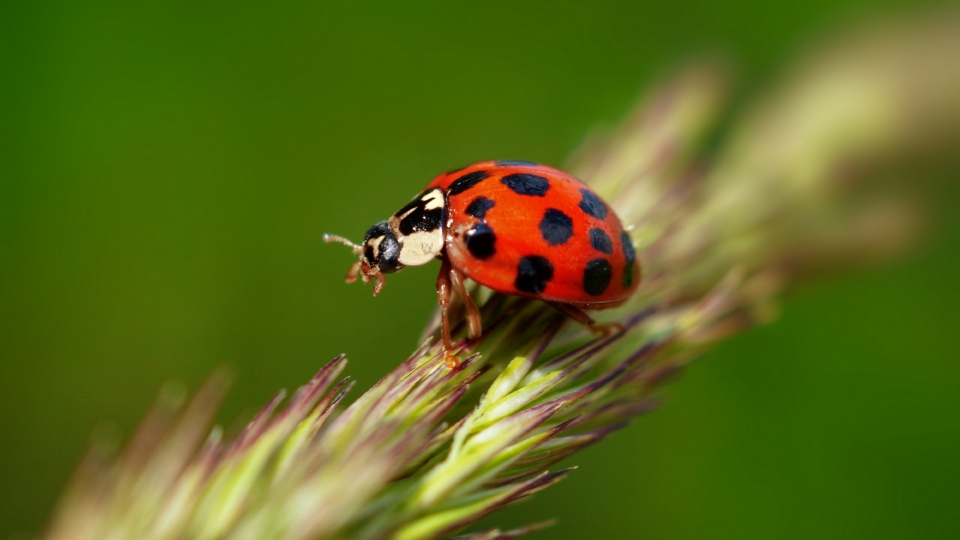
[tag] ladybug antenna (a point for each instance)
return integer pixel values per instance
(334, 238)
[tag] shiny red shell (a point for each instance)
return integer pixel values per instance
(525, 229)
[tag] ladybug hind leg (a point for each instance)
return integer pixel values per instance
(574, 313)
(581, 317)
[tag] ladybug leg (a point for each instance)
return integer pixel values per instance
(574, 313)
(378, 286)
(473, 314)
(443, 298)
(353, 273)
(581, 317)
(608, 328)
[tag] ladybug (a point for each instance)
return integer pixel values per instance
(516, 227)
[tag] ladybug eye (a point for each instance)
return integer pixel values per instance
(373, 248)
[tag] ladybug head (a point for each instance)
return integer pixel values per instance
(381, 249)
(379, 255)
(411, 237)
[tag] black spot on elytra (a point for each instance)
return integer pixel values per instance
(533, 274)
(516, 163)
(592, 205)
(527, 184)
(596, 276)
(480, 206)
(418, 218)
(556, 227)
(600, 241)
(480, 241)
(631, 256)
(466, 182)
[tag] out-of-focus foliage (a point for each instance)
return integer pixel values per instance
(169, 171)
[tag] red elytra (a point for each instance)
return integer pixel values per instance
(517, 227)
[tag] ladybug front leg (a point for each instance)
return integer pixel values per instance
(473, 314)
(443, 298)
(353, 272)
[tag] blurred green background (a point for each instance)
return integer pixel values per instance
(167, 170)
